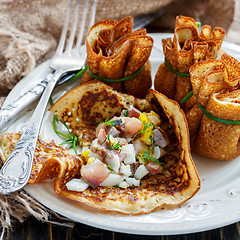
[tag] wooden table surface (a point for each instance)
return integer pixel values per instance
(32, 229)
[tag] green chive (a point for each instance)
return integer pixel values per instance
(71, 139)
(175, 71)
(198, 24)
(188, 96)
(78, 74)
(217, 119)
(115, 80)
(51, 101)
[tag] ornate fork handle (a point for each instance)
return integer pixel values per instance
(16, 171)
(8, 113)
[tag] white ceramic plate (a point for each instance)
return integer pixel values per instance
(215, 205)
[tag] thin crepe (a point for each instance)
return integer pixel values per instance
(50, 160)
(115, 51)
(187, 47)
(175, 185)
(215, 87)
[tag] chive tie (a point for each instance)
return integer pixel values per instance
(217, 119)
(115, 80)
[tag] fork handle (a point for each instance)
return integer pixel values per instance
(8, 114)
(16, 172)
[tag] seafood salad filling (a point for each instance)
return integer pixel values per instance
(126, 149)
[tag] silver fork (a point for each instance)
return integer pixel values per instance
(16, 172)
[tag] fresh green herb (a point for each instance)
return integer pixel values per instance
(175, 71)
(198, 24)
(146, 126)
(115, 80)
(147, 156)
(110, 168)
(116, 146)
(188, 96)
(125, 112)
(51, 101)
(71, 139)
(217, 119)
(151, 139)
(110, 122)
(111, 146)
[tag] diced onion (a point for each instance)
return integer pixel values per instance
(141, 172)
(78, 185)
(130, 151)
(133, 182)
(112, 180)
(123, 184)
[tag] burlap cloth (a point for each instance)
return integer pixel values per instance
(29, 33)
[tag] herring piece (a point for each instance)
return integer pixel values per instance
(95, 173)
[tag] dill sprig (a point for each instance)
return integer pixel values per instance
(147, 156)
(71, 139)
(111, 146)
(146, 126)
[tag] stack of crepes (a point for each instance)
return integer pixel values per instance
(213, 112)
(187, 47)
(115, 51)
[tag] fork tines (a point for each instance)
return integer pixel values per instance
(79, 13)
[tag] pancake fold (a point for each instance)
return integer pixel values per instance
(215, 87)
(115, 51)
(188, 46)
(176, 183)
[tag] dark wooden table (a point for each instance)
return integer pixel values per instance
(32, 229)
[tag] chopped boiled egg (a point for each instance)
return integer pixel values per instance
(123, 184)
(141, 172)
(125, 170)
(90, 160)
(78, 185)
(147, 129)
(85, 152)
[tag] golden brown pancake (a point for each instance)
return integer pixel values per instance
(175, 185)
(216, 87)
(92, 103)
(187, 47)
(115, 51)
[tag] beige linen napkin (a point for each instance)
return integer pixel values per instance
(29, 33)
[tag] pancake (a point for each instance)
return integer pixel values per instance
(188, 46)
(215, 88)
(115, 51)
(176, 182)
(175, 185)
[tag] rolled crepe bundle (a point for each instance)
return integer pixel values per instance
(115, 51)
(187, 47)
(213, 112)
